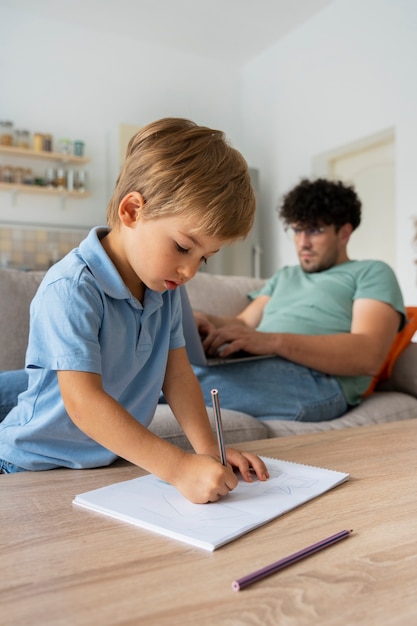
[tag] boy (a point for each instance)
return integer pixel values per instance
(105, 329)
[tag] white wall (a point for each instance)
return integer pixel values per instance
(347, 73)
(77, 83)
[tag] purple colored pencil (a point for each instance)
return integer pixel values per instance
(219, 426)
(241, 583)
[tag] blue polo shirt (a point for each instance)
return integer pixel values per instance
(84, 318)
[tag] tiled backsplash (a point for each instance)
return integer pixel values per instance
(30, 247)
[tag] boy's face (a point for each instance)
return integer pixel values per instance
(168, 251)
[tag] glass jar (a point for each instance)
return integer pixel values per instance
(22, 138)
(28, 176)
(65, 146)
(78, 148)
(60, 179)
(80, 181)
(38, 142)
(70, 180)
(50, 177)
(47, 143)
(7, 174)
(18, 175)
(6, 133)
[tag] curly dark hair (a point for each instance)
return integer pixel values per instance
(313, 203)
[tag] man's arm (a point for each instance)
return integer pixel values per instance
(360, 352)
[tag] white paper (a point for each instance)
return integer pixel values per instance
(157, 506)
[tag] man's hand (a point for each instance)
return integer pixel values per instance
(234, 337)
(204, 325)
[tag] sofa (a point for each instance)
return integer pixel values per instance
(393, 399)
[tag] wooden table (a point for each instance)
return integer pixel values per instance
(62, 565)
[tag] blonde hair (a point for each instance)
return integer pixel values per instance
(182, 168)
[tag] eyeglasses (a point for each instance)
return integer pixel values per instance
(311, 232)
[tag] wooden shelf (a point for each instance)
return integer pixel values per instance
(47, 191)
(46, 156)
(65, 159)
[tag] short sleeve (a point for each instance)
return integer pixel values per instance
(66, 317)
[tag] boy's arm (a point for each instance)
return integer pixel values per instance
(183, 393)
(200, 478)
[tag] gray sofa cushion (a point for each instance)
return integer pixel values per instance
(404, 374)
(378, 408)
(218, 295)
(17, 289)
(237, 427)
(221, 295)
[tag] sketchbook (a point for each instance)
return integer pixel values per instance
(154, 505)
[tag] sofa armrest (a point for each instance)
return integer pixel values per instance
(404, 373)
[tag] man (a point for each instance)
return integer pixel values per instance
(330, 321)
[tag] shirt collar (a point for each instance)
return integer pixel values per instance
(106, 274)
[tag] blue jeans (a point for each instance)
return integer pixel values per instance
(267, 388)
(9, 468)
(274, 389)
(11, 384)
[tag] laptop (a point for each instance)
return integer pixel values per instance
(194, 346)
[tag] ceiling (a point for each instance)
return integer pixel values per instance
(230, 30)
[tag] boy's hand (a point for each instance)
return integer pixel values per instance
(247, 463)
(202, 478)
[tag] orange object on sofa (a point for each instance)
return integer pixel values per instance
(401, 341)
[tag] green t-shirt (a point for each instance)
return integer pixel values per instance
(321, 303)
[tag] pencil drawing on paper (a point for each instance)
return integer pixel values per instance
(238, 502)
(150, 503)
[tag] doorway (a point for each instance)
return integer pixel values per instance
(368, 165)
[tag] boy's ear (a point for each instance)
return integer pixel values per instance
(130, 208)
